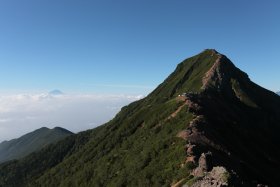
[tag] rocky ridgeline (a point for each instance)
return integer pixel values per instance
(200, 148)
(205, 173)
(205, 148)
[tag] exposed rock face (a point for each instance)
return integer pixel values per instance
(204, 164)
(219, 74)
(183, 134)
(217, 177)
(213, 75)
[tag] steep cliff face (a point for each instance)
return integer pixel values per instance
(207, 124)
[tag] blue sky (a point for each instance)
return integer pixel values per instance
(129, 46)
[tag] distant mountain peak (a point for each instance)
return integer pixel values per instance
(60, 129)
(43, 128)
(31, 142)
(56, 92)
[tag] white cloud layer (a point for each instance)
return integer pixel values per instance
(23, 113)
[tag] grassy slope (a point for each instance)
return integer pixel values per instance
(139, 150)
(19, 172)
(186, 78)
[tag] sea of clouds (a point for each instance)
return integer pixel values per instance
(23, 113)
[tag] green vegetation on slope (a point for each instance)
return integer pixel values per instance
(18, 173)
(34, 141)
(140, 147)
(137, 150)
(241, 94)
(187, 77)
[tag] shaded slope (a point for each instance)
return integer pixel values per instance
(34, 141)
(238, 123)
(224, 122)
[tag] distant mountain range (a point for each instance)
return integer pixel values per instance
(31, 142)
(206, 125)
(278, 93)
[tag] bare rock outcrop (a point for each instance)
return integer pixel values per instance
(204, 164)
(217, 177)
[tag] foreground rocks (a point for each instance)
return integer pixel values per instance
(217, 177)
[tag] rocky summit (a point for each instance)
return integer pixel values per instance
(206, 125)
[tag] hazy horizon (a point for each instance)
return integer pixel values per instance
(23, 113)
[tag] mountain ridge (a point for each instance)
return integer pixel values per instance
(30, 142)
(206, 124)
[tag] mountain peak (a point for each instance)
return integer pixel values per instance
(43, 128)
(213, 51)
(208, 70)
(60, 129)
(220, 72)
(56, 92)
(31, 142)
